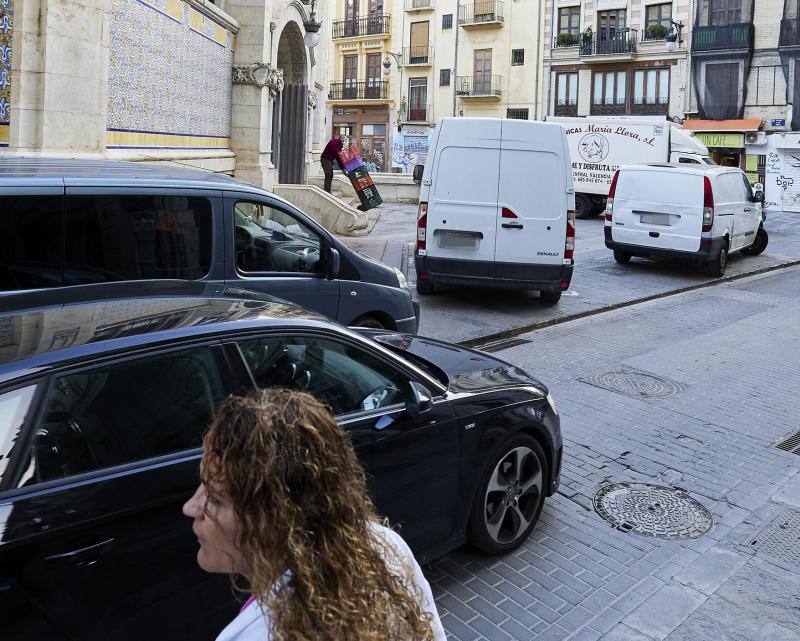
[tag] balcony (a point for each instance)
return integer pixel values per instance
(790, 33)
(609, 109)
(565, 108)
(479, 86)
(723, 37)
(482, 13)
(610, 42)
(419, 113)
(417, 56)
(377, 25)
(419, 5)
(359, 90)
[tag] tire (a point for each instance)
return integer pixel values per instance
(583, 207)
(424, 287)
(520, 508)
(550, 298)
(718, 266)
(369, 322)
(759, 244)
(621, 257)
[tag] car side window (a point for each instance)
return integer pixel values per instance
(344, 377)
(125, 412)
(688, 161)
(748, 189)
(270, 240)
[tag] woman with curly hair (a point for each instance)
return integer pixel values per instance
(283, 503)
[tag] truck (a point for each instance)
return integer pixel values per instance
(599, 145)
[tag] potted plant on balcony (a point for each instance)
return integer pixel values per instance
(566, 39)
(656, 32)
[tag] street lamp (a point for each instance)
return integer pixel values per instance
(387, 64)
(311, 26)
(673, 38)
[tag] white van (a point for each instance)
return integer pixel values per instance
(699, 213)
(497, 207)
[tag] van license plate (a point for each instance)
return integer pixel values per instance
(655, 219)
(457, 239)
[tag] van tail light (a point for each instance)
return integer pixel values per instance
(708, 205)
(422, 224)
(569, 244)
(610, 200)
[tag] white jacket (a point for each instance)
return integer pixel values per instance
(252, 622)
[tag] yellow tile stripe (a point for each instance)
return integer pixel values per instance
(201, 24)
(3, 134)
(145, 140)
(173, 8)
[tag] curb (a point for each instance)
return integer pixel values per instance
(475, 343)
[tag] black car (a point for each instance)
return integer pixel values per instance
(103, 405)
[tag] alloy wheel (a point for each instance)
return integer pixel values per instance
(512, 495)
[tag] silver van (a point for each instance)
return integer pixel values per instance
(68, 222)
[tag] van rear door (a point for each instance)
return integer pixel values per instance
(531, 221)
(462, 202)
(662, 209)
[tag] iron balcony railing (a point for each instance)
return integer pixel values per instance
(722, 37)
(608, 41)
(478, 85)
(659, 106)
(483, 11)
(417, 55)
(790, 33)
(353, 27)
(566, 39)
(359, 90)
(418, 5)
(566, 108)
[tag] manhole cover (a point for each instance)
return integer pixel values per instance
(634, 383)
(653, 510)
(781, 539)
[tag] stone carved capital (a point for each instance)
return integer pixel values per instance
(259, 74)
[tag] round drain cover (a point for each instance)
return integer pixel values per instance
(636, 384)
(653, 510)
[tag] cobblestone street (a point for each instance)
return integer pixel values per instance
(730, 375)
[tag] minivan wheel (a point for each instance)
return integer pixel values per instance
(510, 496)
(424, 287)
(369, 322)
(550, 298)
(621, 257)
(583, 207)
(718, 266)
(759, 244)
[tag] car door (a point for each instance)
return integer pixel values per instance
(93, 533)
(751, 213)
(411, 461)
(275, 251)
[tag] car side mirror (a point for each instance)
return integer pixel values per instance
(421, 399)
(334, 264)
(418, 171)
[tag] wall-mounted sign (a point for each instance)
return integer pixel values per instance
(721, 140)
(778, 122)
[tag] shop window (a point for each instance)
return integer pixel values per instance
(609, 92)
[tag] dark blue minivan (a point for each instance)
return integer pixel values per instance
(67, 222)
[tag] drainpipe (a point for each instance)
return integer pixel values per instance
(539, 56)
(455, 54)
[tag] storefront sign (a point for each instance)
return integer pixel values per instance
(778, 122)
(721, 140)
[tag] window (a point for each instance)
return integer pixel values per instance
(517, 57)
(609, 88)
(447, 21)
(418, 43)
(270, 240)
(651, 87)
(418, 97)
(126, 412)
(31, 234)
(721, 89)
(569, 20)
(660, 14)
(517, 114)
(111, 238)
(444, 77)
(344, 377)
(567, 89)
(724, 12)
(688, 161)
(14, 407)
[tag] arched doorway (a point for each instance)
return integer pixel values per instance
(290, 115)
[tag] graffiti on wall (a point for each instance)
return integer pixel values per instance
(6, 35)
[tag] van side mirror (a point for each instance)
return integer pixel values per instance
(334, 264)
(421, 399)
(418, 171)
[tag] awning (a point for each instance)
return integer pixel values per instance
(747, 124)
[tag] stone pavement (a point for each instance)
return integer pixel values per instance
(598, 282)
(732, 354)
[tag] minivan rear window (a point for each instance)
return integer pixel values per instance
(110, 238)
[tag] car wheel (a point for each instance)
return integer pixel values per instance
(550, 298)
(621, 257)
(424, 287)
(759, 244)
(370, 322)
(718, 266)
(583, 207)
(510, 496)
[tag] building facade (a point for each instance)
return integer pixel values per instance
(398, 66)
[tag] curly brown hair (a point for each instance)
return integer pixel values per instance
(299, 494)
